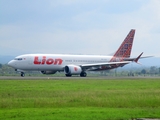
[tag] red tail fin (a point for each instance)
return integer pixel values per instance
(124, 50)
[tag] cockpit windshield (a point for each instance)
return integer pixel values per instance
(18, 59)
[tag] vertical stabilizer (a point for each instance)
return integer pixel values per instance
(124, 50)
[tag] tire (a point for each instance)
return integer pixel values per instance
(68, 75)
(83, 74)
(22, 74)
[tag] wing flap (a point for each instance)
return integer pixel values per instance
(104, 64)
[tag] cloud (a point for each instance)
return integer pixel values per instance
(79, 26)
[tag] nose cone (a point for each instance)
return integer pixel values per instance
(11, 63)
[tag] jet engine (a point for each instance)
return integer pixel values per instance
(72, 70)
(48, 72)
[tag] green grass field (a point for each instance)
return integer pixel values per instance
(79, 99)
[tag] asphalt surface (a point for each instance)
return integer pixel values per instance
(74, 77)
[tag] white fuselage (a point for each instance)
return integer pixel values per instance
(54, 62)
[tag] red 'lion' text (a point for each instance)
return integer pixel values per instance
(48, 61)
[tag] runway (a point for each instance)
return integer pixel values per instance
(75, 78)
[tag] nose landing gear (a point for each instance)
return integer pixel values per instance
(22, 74)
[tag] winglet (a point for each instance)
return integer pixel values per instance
(136, 60)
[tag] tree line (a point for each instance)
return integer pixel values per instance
(5, 70)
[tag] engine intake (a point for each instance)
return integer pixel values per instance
(72, 70)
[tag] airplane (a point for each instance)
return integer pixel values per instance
(75, 64)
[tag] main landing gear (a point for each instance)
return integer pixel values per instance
(68, 75)
(83, 74)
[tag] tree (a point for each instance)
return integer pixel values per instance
(0, 66)
(143, 72)
(153, 70)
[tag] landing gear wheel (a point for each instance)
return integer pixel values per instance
(83, 74)
(22, 74)
(68, 75)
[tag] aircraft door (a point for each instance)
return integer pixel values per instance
(29, 61)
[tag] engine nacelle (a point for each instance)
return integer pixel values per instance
(72, 70)
(48, 72)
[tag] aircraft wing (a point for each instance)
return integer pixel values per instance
(112, 64)
(87, 66)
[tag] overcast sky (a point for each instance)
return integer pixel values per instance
(78, 26)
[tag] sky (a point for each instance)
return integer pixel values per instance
(78, 26)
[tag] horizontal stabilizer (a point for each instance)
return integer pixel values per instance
(136, 60)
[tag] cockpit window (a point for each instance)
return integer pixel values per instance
(18, 59)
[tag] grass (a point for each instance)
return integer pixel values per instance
(79, 99)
